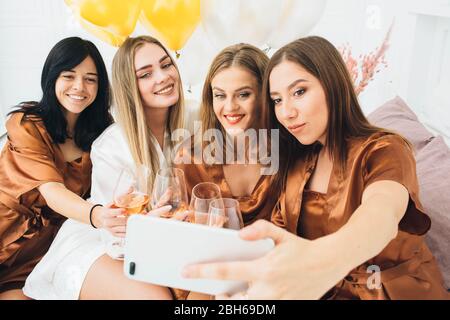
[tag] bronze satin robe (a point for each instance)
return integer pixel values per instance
(27, 225)
(408, 269)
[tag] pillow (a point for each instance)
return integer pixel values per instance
(433, 172)
(395, 115)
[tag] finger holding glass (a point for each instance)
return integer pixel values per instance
(131, 191)
(170, 189)
(112, 219)
(131, 195)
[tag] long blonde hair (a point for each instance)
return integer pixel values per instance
(240, 55)
(129, 108)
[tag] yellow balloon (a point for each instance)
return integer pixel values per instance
(118, 17)
(109, 37)
(173, 20)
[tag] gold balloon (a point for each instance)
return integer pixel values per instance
(173, 21)
(110, 20)
(106, 36)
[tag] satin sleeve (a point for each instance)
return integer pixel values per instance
(391, 158)
(28, 158)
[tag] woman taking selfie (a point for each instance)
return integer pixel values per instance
(350, 194)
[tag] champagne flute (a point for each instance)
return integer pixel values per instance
(170, 189)
(131, 191)
(202, 195)
(131, 194)
(225, 213)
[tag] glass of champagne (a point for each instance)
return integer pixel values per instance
(131, 191)
(225, 213)
(131, 194)
(202, 195)
(169, 188)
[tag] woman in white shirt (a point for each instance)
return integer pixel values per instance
(148, 97)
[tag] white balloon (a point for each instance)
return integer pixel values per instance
(297, 20)
(228, 22)
(195, 58)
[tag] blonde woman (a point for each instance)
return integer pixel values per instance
(149, 107)
(231, 110)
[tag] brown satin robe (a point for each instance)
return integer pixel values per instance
(408, 268)
(27, 225)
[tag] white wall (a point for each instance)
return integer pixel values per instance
(419, 45)
(418, 69)
(29, 29)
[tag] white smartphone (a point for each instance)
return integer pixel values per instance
(156, 250)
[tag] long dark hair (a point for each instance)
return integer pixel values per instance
(64, 56)
(345, 117)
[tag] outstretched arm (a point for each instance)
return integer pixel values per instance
(70, 205)
(303, 269)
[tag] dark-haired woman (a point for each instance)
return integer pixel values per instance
(45, 169)
(350, 194)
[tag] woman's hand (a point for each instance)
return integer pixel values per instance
(161, 212)
(112, 219)
(115, 219)
(294, 269)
